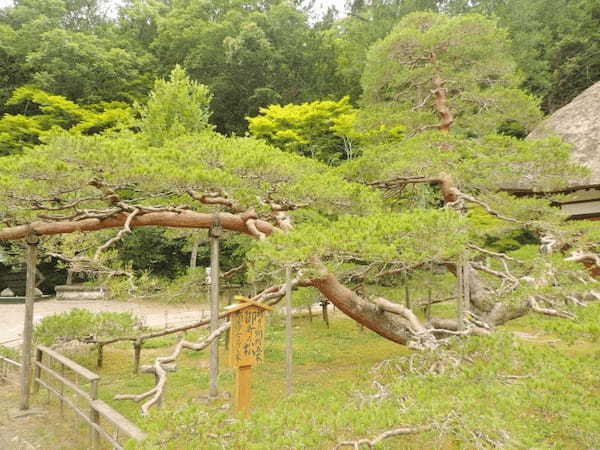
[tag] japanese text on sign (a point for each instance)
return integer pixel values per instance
(246, 336)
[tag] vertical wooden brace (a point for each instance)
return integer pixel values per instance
(32, 241)
(288, 329)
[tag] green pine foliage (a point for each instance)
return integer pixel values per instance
(472, 57)
(80, 323)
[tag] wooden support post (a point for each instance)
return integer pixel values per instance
(100, 359)
(243, 389)
(288, 329)
(94, 415)
(310, 312)
(215, 233)
(406, 294)
(137, 353)
(194, 255)
(32, 243)
(324, 304)
(159, 401)
(466, 287)
(459, 297)
(428, 305)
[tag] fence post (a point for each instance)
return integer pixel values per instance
(215, 233)
(94, 415)
(62, 391)
(288, 328)
(32, 241)
(37, 370)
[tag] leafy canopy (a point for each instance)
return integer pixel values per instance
(44, 114)
(175, 107)
(323, 129)
(470, 55)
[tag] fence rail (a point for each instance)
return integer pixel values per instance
(6, 366)
(94, 409)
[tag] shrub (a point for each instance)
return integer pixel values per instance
(79, 323)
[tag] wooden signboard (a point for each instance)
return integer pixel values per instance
(246, 345)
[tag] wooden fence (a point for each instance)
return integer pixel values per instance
(53, 371)
(6, 366)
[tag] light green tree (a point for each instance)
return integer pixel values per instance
(175, 107)
(321, 129)
(44, 114)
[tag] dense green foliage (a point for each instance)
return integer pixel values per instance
(47, 114)
(468, 54)
(322, 130)
(253, 54)
(555, 44)
(175, 107)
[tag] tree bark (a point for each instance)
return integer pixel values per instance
(183, 219)
(364, 312)
(439, 92)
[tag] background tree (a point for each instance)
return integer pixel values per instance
(556, 48)
(321, 129)
(175, 107)
(249, 54)
(45, 114)
(456, 68)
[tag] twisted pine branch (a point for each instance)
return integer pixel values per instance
(161, 366)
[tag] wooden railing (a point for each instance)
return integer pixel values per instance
(81, 395)
(6, 366)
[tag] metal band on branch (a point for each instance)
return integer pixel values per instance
(216, 229)
(31, 238)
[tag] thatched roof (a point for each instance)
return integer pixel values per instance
(578, 123)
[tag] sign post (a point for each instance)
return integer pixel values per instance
(246, 346)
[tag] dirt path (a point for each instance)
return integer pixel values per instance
(28, 430)
(152, 314)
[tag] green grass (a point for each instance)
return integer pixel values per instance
(554, 404)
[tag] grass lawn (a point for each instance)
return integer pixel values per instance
(533, 384)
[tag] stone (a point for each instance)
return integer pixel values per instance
(7, 293)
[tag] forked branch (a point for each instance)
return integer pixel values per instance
(371, 443)
(161, 366)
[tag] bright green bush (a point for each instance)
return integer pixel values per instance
(78, 323)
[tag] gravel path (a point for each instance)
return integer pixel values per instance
(152, 314)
